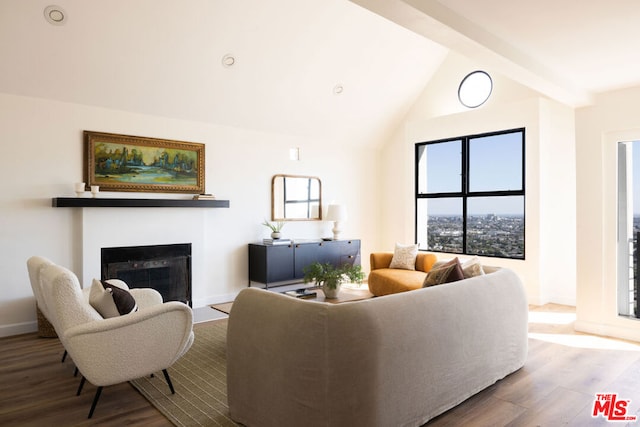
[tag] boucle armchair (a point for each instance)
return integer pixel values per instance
(35, 265)
(145, 297)
(117, 349)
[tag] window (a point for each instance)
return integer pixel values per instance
(470, 194)
(628, 227)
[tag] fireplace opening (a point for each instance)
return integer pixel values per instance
(165, 268)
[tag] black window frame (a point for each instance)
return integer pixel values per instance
(464, 194)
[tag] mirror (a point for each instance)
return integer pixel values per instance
(296, 198)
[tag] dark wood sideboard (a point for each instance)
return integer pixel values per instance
(275, 265)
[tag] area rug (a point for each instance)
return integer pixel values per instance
(200, 381)
(225, 307)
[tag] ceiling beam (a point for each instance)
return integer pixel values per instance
(440, 24)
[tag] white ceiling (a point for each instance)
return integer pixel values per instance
(163, 57)
(569, 50)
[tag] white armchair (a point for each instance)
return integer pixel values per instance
(145, 297)
(35, 265)
(118, 349)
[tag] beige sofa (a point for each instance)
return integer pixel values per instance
(397, 360)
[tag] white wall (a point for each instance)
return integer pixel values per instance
(42, 158)
(599, 128)
(549, 268)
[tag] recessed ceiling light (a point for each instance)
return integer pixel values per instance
(228, 60)
(475, 89)
(55, 15)
(338, 89)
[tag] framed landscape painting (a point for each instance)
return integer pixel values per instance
(134, 163)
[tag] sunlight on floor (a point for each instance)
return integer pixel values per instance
(586, 341)
(574, 339)
(551, 318)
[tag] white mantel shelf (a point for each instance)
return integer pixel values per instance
(84, 202)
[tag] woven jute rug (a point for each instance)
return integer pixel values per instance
(199, 378)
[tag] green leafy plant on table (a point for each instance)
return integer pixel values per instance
(276, 227)
(331, 277)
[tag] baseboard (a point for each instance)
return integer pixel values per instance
(18, 328)
(214, 299)
(537, 300)
(621, 332)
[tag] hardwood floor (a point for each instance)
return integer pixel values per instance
(557, 386)
(37, 390)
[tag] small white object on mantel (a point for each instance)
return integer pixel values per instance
(79, 188)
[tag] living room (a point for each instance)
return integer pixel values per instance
(349, 90)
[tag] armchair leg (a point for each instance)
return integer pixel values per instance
(95, 401)
(166, 377)
(80, 386)
(64, 356)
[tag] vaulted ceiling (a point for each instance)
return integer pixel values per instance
(164, 57)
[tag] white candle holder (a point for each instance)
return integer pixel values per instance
(79, 186)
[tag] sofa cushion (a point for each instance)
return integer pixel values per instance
(404, 257)
(385, 281)
(111, 300)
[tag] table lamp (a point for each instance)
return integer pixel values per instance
(336, 213)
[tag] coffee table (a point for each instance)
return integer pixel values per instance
(345, 295)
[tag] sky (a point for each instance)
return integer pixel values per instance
(495, 163)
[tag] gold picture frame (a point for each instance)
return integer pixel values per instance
(140, 164)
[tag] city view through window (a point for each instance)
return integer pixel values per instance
(628, 227)
(470, 195)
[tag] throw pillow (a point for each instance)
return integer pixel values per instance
(457, 273)
(110, 300)
(404, 257)
(437, 276)
(472, 268)
(447, 272)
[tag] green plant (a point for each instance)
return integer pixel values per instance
(330, 275)
(275, 227)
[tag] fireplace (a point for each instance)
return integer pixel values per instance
(165, 268)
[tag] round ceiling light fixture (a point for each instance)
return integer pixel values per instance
(228, 60)
(338, 89)
(55, 15)
(475, 89)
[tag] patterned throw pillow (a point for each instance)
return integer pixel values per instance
(110, 300)
(404, 257)
(450, 271)
(437, 276)
(472, 268)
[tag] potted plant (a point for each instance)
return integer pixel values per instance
(330, 277)
(275, 228)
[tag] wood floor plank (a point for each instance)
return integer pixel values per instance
(559, 408)
(36, 389)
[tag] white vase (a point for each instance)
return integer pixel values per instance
(331, 293)
(275, 235)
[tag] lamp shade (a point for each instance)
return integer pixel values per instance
(336, 212)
